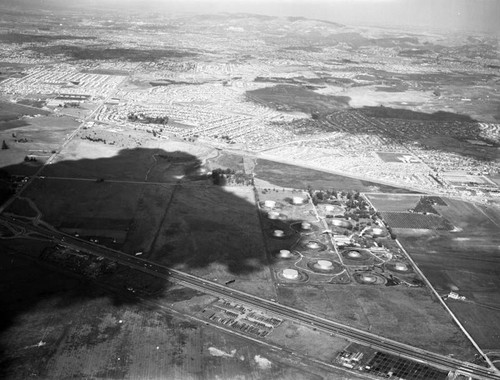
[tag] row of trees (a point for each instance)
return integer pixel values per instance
(142, 118)
(223, 177)
(352, 199)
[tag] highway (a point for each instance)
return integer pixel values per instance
(216, 289)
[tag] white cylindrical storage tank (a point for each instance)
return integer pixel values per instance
(354, 254)
(269, 203)
(278, 233)
(285, 253)
(313, 245)
(368, 278)
(273, 215)
(305, 225)
(325, 264)
(297, 200)
(290, 274)
(401, 266)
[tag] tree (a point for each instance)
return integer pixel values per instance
(4, 145)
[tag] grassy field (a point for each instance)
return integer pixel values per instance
(480, 321)
(296, 98)
(463, 147)
(318, 344)
(387, 112)
(393, 202)
(19, 38)
(55, 325)
(212, 231)
(105, 52)
(401, 314)
(23, 286)
(286, 175)
(104, 209)
(161, 162)
(22, 207)
(464, 261)
(110, 162)
(12, 111)
(37, 137)
(416, 221)
(98, 205)
(215, 233)
(227, 161)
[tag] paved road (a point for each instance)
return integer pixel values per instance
(332, 327)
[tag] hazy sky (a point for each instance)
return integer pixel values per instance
(480, 15)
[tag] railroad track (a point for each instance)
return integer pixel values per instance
(222, 291)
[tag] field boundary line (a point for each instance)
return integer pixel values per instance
(455, 319)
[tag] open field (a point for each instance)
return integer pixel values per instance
(466, 262)
(37, 137)
(58, 326)
(19, 38)
(105, 53)
(319, 345)
(123, 216)
(153, 161)
(397, 313)
(296, 98)
(285, 175)
(393, 202)
(416, 221)
(480, 321)
(12, 111)
(392, 113)
(226, 160)
(215, 233)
